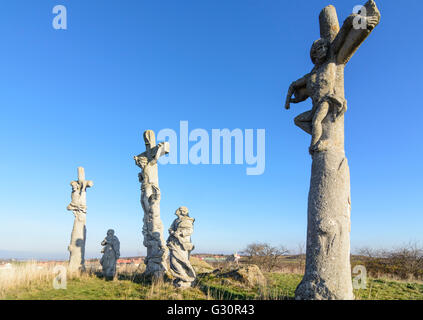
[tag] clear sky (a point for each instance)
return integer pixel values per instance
(83, 96)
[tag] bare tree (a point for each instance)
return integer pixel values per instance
(301, 254)
(264, 255)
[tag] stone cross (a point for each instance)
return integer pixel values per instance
(78, 206)
(157, 253)
(328, 270)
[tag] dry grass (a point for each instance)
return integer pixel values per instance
(25, 275)
(34, 281)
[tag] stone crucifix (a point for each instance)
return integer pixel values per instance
(157, 252)
(78, 206)
(328, 270)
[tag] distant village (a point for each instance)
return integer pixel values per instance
(209, 258)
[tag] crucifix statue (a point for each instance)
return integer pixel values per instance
(78, 206)
(157, 252)
(328, 270)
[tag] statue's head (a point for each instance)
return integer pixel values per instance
(319, 51)
(141, 161)
(110, 233)
(75, 185)
(149, 139)
(182, 211)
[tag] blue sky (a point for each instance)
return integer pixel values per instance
(83, 97)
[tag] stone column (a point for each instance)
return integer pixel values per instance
(328, 270)
(78, 206)
(157, 252)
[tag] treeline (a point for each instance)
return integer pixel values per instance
(405, 262)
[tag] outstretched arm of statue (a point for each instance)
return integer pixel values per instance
(137, 162)
(354, 31)
(298, 89)
(163, 148)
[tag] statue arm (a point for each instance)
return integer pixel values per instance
(162, 149)
(297, 88)
(349, 38)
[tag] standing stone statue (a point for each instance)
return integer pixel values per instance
(152, 231)
(78, 206)
(180, 246)
(328, 270)
(111, 252)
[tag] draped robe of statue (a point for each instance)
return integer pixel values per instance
(111, 253)
(157, 253)
(180, 247)
(328, 270)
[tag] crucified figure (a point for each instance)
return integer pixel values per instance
(324, 84)
(328, 269)
(156, 260)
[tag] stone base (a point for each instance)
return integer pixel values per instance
(316, 289)
(76, 270)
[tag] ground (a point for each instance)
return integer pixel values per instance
(279, 286)
(32, 281)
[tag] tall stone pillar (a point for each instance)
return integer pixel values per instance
(157, 252)
(328, 270)
(78, 206)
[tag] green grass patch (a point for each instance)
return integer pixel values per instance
(279, 287)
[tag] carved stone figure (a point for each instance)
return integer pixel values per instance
(111, 252)
(78, 206)
(152, 230)
(180, 246)
(328, 271)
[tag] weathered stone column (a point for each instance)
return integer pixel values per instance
(157, 252)
(328, 270)
(78, 206)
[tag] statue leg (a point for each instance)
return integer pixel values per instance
(319, 115)
(304, 121)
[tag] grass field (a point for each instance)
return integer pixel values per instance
(279, 286)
